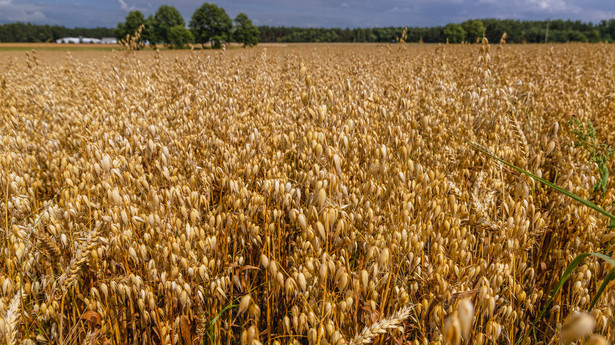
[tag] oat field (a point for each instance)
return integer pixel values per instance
(303, 194)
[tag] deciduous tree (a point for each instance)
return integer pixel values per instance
(210, 23)
(245, 32)
(166, 18)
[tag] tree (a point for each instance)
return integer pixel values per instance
(610, 28)
(166, 18)
(576, 36)
(455, 33)
(474, 29)
(594, 35)
(133, 22)
(210, 23)
(179, 37)
(149, 32)
(245, 31)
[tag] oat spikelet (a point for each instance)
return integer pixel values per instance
(90, 338)
(368, 334)
(466, 317)
(577, 326)
(452, 331)
(503, 38)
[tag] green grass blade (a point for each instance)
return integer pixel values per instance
(545, 182)
(567, 274)
(605, 282)
(213, 321)
(605, 258)
(562, 280)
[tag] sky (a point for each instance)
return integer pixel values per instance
(311, 13)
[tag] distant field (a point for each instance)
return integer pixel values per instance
(57, 46)
(102, 47)
(302, 194)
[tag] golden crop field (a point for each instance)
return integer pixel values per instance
(304, 194)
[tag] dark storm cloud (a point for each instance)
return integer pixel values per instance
(315, 13)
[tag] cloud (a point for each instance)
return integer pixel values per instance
(125, 6)
(21, 12)
(315, 13)
(597, 16)
(550, 5)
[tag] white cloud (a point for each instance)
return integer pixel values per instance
(20, 12)
(596, 15)
(125, 6)
(326, 13)
(551, 6)
(401, 9)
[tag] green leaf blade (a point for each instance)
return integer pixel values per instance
(609, 277)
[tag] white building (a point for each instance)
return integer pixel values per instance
(78, 40)
(109, 40)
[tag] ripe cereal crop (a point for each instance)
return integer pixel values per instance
(304, 194)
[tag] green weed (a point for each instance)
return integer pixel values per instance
(599, 153)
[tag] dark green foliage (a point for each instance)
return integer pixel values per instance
(474, 29)
(599, 153)
(455, 33)
(495, 28)
(149, 32)
(245, 32)
(210, 23)
(517, 32)
(165, 18)
(594, 35)
(180, 37)
(22, 32)
(134, 20)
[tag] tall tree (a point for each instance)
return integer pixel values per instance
(165, 18)
(210, 23)
(134, 20)
(149, 33)
(245, 31)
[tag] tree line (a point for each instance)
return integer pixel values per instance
(26, 32)
(517, 31)
(210, 24)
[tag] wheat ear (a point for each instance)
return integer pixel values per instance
(368, 334)
(12, 318)
(519, 134)
(81, 256)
